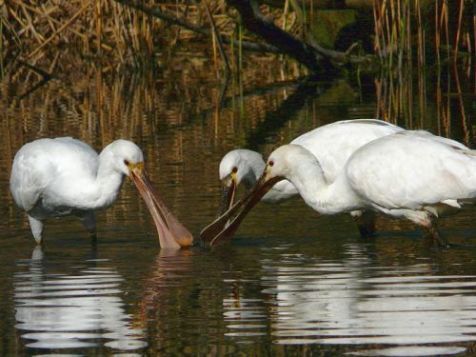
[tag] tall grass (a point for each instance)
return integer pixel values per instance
(92, 27)
(403, 27)
(113, 32)
(413, 99)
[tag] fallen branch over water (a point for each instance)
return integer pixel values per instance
(170, 18)
(309, 53)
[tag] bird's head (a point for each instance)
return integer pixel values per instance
(129, 160)
(276, 169)
(127, 157)
(238, 166)
(280, 165)
(283, 160)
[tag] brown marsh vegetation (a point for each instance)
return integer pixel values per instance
(178, 50)
(138, 33)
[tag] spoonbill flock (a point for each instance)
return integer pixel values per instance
(407, 174)
(355, 166)
(331, 144)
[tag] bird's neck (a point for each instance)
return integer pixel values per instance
(107, 183)
(323, 196)
(255, 170)
(258, 168)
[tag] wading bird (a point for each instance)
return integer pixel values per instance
(410, 174)
(331, 144)
(64, 176)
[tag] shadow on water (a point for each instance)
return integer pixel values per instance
(275, 120)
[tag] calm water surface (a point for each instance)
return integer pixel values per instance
(289, 283)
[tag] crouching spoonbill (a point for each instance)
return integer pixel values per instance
(64, 176)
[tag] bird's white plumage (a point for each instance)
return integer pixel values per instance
(331, 144)
(48, 164)
(412, 170)
(62, 176)
(408, 174)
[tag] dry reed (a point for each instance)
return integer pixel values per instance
(402, 28)
(92, 28)
(115, 33)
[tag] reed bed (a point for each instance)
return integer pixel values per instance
(404, 28)
(59, 37)
(414, 99)
(95, 28)
(109, 32)
(117, 36)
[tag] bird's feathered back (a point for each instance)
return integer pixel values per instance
(413, 169)
(34, 166)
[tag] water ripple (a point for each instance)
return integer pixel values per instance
(351, 302)
(70, 311)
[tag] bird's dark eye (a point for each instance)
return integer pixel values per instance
(126, 162)
(234, 170)
(270, 163)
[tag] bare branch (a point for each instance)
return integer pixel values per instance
(255, 22)
(309, 53)
(170, 18)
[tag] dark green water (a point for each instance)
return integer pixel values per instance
(290, 283)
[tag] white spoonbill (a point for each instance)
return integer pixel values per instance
(410, 174)
(331, 144)
(64, 176)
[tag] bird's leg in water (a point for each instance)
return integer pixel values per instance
(89, 221)
(36, 227)
(434, 233)
(365, 222)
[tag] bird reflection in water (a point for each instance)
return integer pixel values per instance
(177, 304)
(71, 311)
(395, 310)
